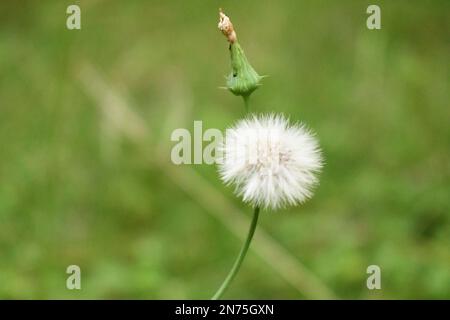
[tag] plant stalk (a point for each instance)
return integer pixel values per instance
(246, 103)
(237, 264)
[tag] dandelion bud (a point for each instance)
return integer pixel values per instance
(243, 79)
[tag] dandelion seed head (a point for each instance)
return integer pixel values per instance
(271, 162)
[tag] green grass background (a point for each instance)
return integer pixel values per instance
(75, 191)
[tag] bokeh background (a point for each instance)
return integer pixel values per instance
(85, 170)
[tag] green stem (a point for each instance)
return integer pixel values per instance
(246, 102)
(237, 264)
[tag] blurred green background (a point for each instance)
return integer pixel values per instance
(85, 171)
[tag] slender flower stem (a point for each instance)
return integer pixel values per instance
(237, 264)
(246, 102)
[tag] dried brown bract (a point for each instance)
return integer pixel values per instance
(226, 27)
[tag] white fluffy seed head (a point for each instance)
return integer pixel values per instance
(271, 163)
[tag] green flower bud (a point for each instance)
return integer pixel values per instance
(243, 79)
